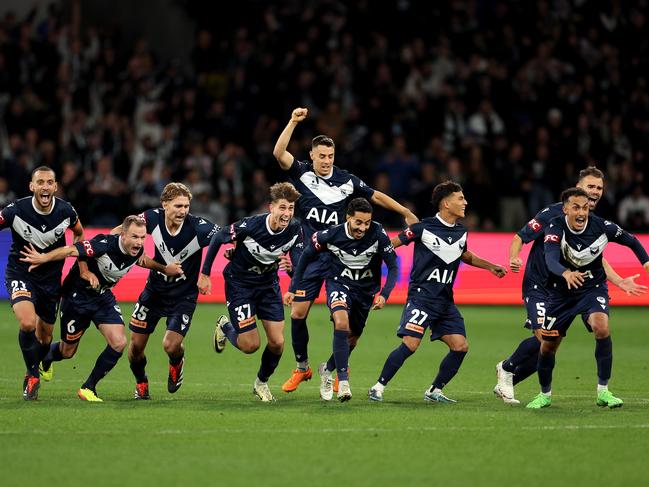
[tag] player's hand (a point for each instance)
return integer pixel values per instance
(288, 298)
(646, 267)
(204, 284)
(411, 218)
(574, 279)
(285, 263)
(32, 256)
(90, 277)
(629, 286)
(498, 270)
(299, 114)
(228, 253)
(516, 264)
(174, 269)
(379, 302)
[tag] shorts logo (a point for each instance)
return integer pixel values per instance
(185, 319)
(601, 300)
(551, 238)
(117, 308)
(534, 225)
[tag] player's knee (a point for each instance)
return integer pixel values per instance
(249, 347)
(461, 347)
(118, 344)
(68, 351)
(276, 345)
(26, 323)
(298, 314)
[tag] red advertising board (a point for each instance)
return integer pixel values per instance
(472, 286)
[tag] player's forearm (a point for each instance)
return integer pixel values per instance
(515, 247)
(151, 264)
(77, 232)
(61, 253)
(473, 260)
(284, 157)
(308, 256)
(391, 279)
(390, 203)
(611, 275)
(553, 262)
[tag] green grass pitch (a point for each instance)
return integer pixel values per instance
(213, 431)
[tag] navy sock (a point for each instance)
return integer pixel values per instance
(604, 358)
(331, 363)
(53, 355)
(341, 353)
(104, 364)
(43, 350)
(394, 362)
(231, 333)
(176, 360)
(269, 362)
(138, 369)
(528, 347)
(527, 368)
(30, 348)
(545, 367)
(448, 368)
(300, 339)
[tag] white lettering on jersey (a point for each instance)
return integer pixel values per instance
(190, 249)
(266, 256)
(33, 235)
(581, 257)
(448, 252)
(356, 275)
(358, 261)
(323, 191)
(446, 277)
(325, 216)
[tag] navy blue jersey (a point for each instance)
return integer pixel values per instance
(45, 231)
(256, 257)
(436, 258)
(566, 249)
(324, 199)
(184, 247)
(536, 272)
(107, 259)
(356, 263)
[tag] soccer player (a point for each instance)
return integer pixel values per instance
(522, 362)
(357, 247)
(573, 247)
(109, 258)
(178, 236)
(325, 190)
(251, 283)
(440, 245)
(41, 221)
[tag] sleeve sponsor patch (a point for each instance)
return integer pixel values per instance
(87, 247)
(551, 238)
(535, 225)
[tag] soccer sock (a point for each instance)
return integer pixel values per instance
(30, 348)
(545, 366)
(43, 350)
(137, 367)
(394, 362)
(105, 363)
(604, 358)
(341, 353)
(176, 360)
(53, 355)
(528, 347)
(527, 368)
(269, 362)
(300, 339)
(231, 334)
(448, 368)
(331, 363)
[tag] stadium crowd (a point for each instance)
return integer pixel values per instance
(510, 99)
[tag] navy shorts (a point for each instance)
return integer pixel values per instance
(44, 298)
(536, 301)
(314, 276)
(79, 309)
(357, 305)
(441, 317)
(246, 303)
(562, 310)
(151, 307)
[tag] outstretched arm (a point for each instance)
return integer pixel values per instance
(284, 157)
(471, 259)
(204, 283)
(515, 262)
(35, 258)
(389, 203)
(171, 270)
(627, 284)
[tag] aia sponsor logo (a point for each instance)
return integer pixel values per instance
(551, 238)
(534, 225)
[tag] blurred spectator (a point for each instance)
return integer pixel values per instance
(6, 194)
(633, 212)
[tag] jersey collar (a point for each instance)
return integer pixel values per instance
(177, 231)
(571, 230)
(451, 225)
(43, 212)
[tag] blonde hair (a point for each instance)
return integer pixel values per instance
(173, 190)
(284, 191)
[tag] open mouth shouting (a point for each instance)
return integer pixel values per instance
(580, 222)
(45, 198)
